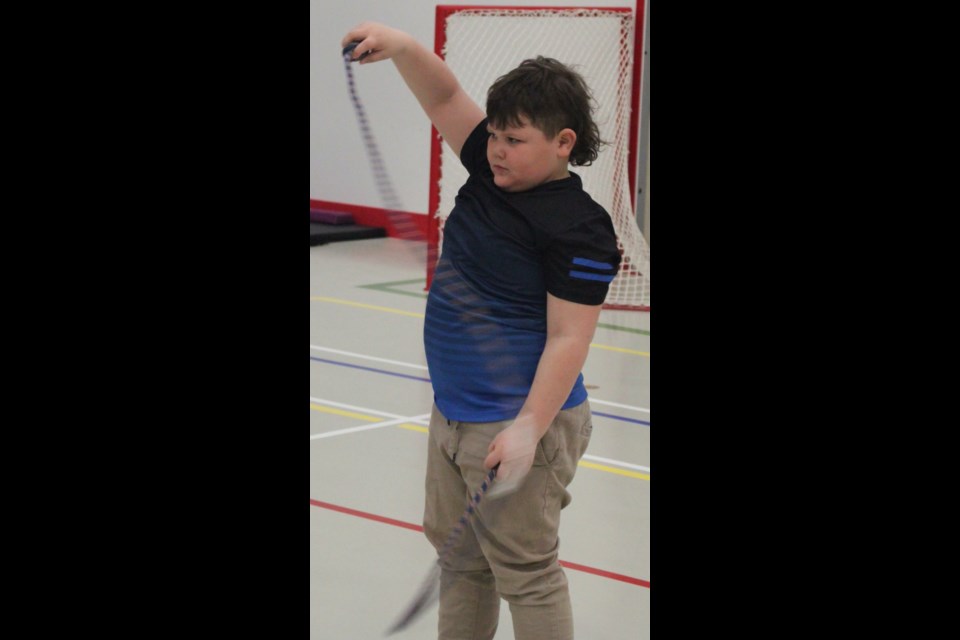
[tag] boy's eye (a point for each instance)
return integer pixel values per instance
(509, 140)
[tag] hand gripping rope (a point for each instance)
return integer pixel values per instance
(429, 590)
(400, 222)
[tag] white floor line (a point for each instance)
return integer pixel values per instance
(367, 427)
(425, 420)
(617, 404)
(617, 463)
(350, 407)
(360, 355)
(424, 368)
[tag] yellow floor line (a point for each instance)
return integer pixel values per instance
(350, 303)
(401, 312)
(361, 416)
(415, 427)
(620, 349)
(621, 472)
(346, 414)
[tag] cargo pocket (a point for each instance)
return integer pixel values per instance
(547, 448)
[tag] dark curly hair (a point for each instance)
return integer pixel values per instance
(552, 96)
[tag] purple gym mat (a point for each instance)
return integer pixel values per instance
(330, 217)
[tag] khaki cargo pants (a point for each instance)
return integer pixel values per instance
(511, 549)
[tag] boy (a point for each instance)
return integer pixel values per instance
(526, 261)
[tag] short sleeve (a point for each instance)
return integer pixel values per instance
(580, 263)
(473, 154)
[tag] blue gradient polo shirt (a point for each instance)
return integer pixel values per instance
(486, 318)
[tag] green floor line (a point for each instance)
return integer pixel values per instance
(614, 327)
(390, 287)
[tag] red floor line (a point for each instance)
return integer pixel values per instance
(415, 527)
(605, 574)
(364, 514)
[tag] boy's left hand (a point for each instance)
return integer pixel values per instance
(514, 448)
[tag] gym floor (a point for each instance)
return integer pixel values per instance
(370, 400)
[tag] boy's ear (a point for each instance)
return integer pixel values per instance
(566, 140)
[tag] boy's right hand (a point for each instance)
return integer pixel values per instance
(513, 449)
(450, 109)
(377, 42)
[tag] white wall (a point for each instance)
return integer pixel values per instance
(339, 170)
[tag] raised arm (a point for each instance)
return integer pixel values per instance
(449, 108)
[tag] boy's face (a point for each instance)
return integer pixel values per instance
(523, 157)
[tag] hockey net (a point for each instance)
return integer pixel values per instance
(480, 44)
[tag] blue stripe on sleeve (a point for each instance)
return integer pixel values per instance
(583, 275)
(583, 262)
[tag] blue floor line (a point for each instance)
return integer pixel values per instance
(403, 375)
(354, 366)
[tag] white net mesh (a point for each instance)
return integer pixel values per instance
(483, 44)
